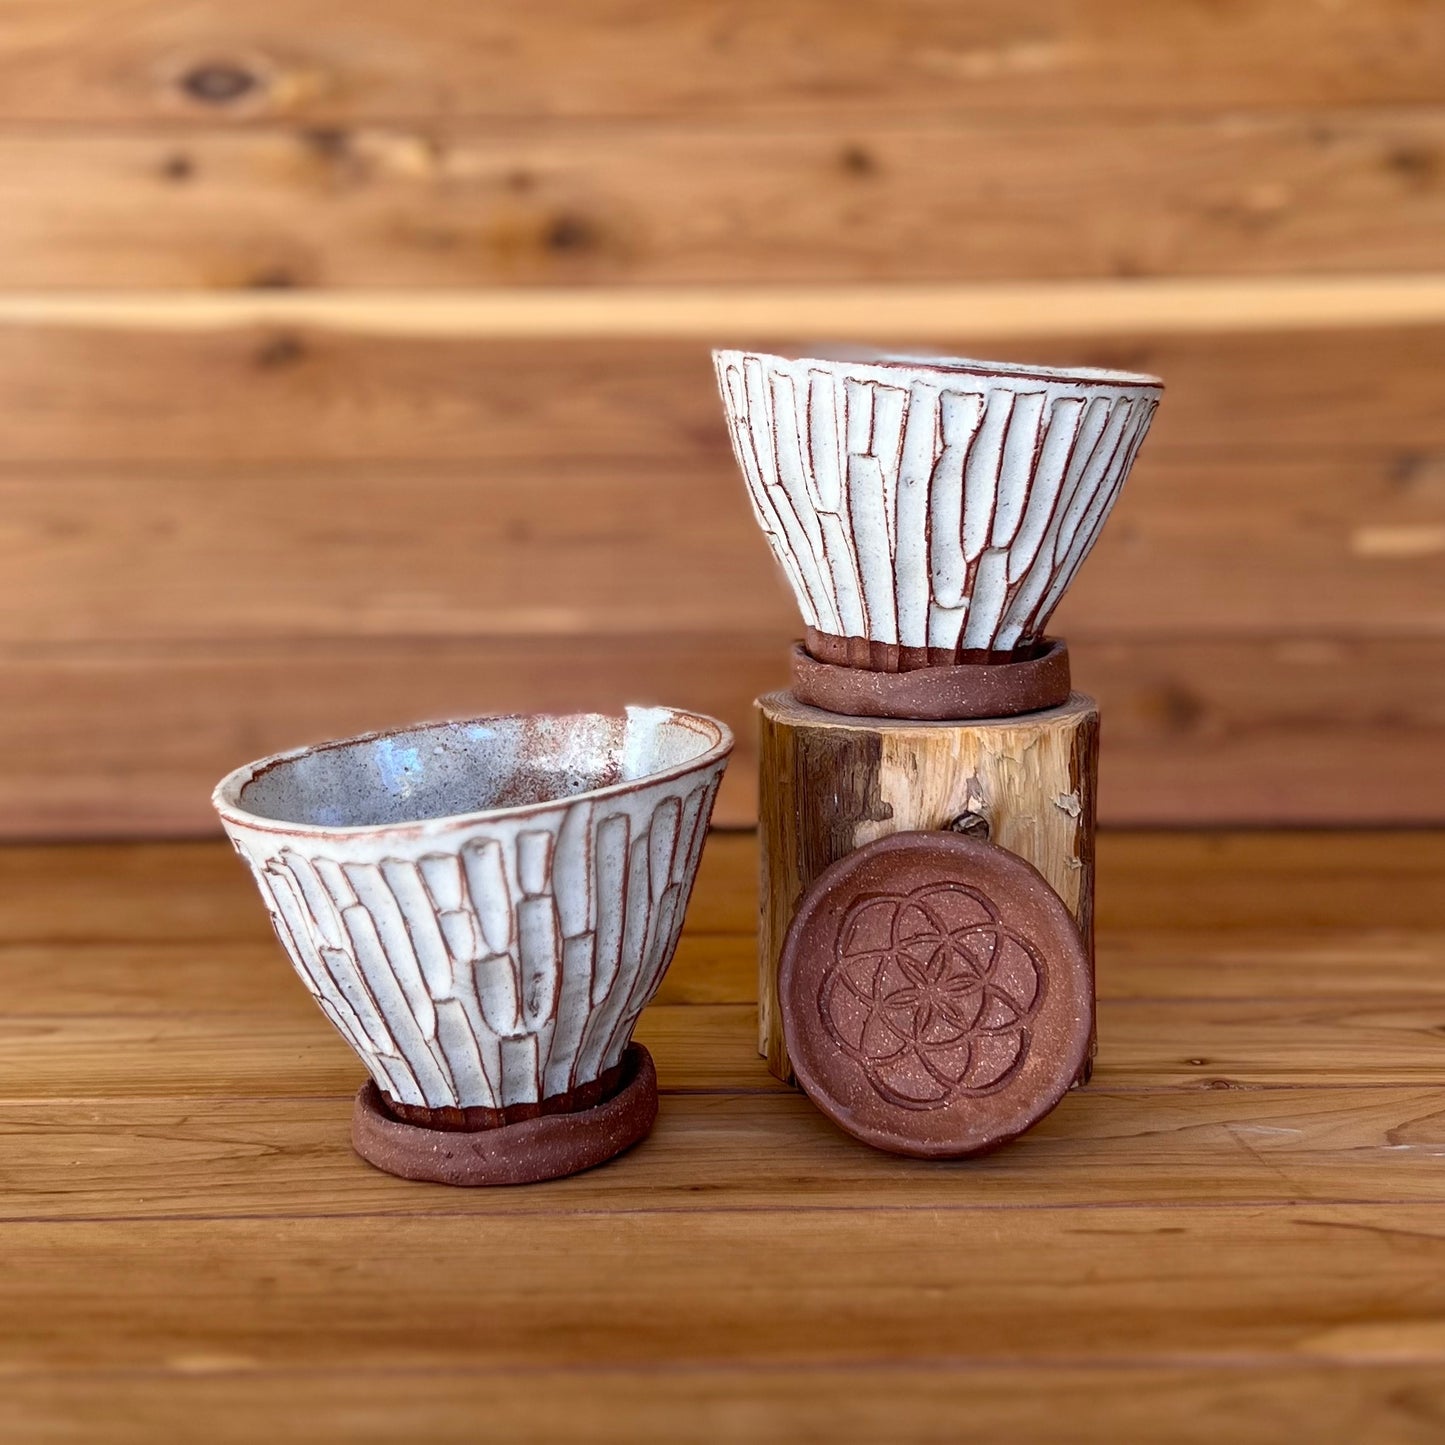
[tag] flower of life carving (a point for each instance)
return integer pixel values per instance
(932, 995)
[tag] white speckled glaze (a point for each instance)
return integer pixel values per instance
(931, 501)
(483, 908)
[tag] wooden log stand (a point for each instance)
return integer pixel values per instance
(833, 782)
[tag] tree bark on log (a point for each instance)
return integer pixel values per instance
(830, 783)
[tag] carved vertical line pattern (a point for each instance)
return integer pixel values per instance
(1029, 558)
(875, 561)
(486, 878)
(791, 531)
(290, 912)
(495, 981)
(746, 451)
(684, 875)
(419, 919)
(1020, 453)
(825, 461)
(511, 969)
(433, 1079)
(890, 406)
(637, 919)
(461, 929)
(539, 949)
(1055, 447)
(351, 996)
(792, 475)
(961, 421)
(918, 455)
(661, 941)
(653, 949)
(981, 475)
(1110, 480)
(1027, 615)
(383, 947)
(458, 1041)
(378, 919)
(859, 471)
(960, 415)
(683, 858)
(572, 872)
(573, 1004)
(287, 917)
(468, 1045)
(521, 1068)
(613, 844)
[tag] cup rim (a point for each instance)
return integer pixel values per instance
(962, 365)
(225, 797)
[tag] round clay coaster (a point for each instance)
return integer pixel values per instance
(547, 1147)
(937, 998)
(950, 693)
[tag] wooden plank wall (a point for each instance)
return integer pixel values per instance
(353, 364)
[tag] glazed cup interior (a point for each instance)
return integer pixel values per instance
(462, 768)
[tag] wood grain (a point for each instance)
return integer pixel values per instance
(782, 1288)
(1234, 1230)
(218, 1158)
(261, 573)
(93, 60)
(1392, 1404)
(295, 395)
(1347, 544)
(1195, 729)
(1146, 1044)
(442, 205)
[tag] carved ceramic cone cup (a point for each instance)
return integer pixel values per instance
(483, 909)
(929, 514)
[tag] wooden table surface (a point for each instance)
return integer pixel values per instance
(1236, 1233)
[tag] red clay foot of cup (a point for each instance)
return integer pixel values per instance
(952, 693)
(547, 1147)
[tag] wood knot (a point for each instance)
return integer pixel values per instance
(1417, 165)
(219, 82)
(178, 168)
(569, 233)
(1177, 709)
(282, 349)
(273, 278)
(328, 141)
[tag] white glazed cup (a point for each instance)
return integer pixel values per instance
(932, 504)
(483, 908)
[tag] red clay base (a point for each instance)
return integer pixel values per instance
(527, 1152)
(954, 693)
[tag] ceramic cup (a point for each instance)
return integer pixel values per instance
(482, 909)
(930, 510)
